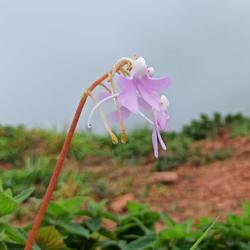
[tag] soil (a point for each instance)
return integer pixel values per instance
(215, 189)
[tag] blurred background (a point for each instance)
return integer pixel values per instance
(51, 50)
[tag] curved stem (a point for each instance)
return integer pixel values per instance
(53, 181)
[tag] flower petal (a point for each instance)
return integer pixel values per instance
(155, 143)
(163, 145)
(156, 84)
(152, 98)
(144, 104)
(151, 88)
(162, 120)
(114, 116)
(128, 96)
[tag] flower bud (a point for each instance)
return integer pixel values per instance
(164, 103)
(150, 71)
(139, 68)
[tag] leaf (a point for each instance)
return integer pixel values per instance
(94, 224)
(72, 205)
(14, 235)
(24, 194)
(196, 244)
(48, 238)
(135, 207)
(151, 216)
(142, 242)
(7, 204)
(65, 207)
(3, 246)
(8, 192)
(168, 220)
(75, 228)
(57, 210)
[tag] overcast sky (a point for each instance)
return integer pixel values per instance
(51, 50)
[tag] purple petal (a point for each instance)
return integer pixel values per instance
(156, 84)
(151, 98)
(144, 104)
(162, 120)
(114, 116)
(163, 145)
(151, 88)
(155, 143)
(128, 96)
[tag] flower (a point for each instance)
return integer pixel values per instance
(160, 124)
(139, 91)
(140, 84)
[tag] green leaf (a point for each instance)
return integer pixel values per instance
(24, 194)
(14, 235)
(48, 238)
(94, 224)
(8, 192)
(7, 204)
(196, 244)
(135, 207)
(142, 242)
(151, 216)
(72, 205)
(75, 228)
(168, 220)
(65, 207)
(3, 246)
(57, 210)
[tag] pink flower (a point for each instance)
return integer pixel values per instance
(141, 85)
(141, 91)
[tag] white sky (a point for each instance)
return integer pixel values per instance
(51, 50)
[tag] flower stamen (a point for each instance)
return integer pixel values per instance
(105, 87)
(116, 67)
(145, 117)
(97, 105)
(114, 138)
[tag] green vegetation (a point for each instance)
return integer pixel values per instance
(68, 225)
(27, 158)
(19, 144)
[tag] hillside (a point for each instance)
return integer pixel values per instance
(205, 170)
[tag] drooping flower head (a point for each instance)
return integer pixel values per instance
(140, 84)
(139, 91)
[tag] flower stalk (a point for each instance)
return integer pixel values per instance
(137, 90)
(54, 178)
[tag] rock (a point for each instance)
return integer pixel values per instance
(163, 177)
(120, 203)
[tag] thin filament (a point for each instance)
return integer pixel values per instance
(105, 122)
(161, 140)
(146, 118)
(97, 105)
(117, 105)
(106, 88)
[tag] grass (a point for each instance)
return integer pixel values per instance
(17, 144)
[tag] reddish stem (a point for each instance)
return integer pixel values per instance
(54, 178)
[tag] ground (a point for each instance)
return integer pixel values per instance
(213, 189)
